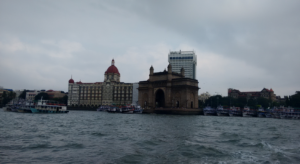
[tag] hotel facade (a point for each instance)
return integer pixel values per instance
(109, 92)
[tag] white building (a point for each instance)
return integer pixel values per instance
(185, 59)
(31, 94)
(204, 96)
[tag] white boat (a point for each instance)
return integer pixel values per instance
(138, 109)
(45, 106)
(247, 112)
(235, 112)
(221, 111)
(209, 111)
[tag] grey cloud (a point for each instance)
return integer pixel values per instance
(260, 34)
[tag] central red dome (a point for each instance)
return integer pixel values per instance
(71, 81)
(112, 69)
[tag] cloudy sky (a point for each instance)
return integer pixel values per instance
(246, 45)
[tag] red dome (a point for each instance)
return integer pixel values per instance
(71, 81)
(112, 69)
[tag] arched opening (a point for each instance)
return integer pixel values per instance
(145, 100)
(160, 98)
(177, 104)
(192, 105)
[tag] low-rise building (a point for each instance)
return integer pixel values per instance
(204, 96)
(30, 95)
(265, 93)
(55, 94)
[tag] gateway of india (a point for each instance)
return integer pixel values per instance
(169, 92)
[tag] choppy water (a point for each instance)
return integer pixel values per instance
(100, 137)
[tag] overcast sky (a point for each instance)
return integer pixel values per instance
(243, 44)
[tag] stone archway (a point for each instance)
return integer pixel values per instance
(145, 100)
(192, 98)
(159, 98)
(177, 100)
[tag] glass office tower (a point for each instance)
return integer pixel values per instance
(185, 59)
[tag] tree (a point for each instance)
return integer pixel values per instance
(294, 100)
(7, 96)
(63, 100)
(40, 95)
(23, 94)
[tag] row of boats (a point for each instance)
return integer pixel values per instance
(41, 106)
(129, 109)
(281, 112)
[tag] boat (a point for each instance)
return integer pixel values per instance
(209, 111)
(235, 112)
(8, 107)
(15, 108)
(289, 113)
(103, 108)
(138, 109)
(247, 112)
(45, 106)
(221, 111)
(112, 110)
(261, 112)
(127, 109)
(25, 107)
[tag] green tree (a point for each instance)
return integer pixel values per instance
(40, 95)
(7, 96)
(294, 100)
(23, 94)
(63, 100)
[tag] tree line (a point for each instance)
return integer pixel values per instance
(7, 96)
(214, 101)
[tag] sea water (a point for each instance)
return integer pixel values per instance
(101, 137)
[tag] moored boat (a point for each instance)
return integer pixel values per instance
(112, 110)
(138, 109)
(247, 112)
(127, 109)
(45, 106)
(221, 111)
(261, 112)
(235, 112)
(209, 111)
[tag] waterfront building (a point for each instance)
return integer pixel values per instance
(265, 93)
(169, 91)
(55, 94)
(109, 92)
(204, 96)
(185, 59)
(30, 95)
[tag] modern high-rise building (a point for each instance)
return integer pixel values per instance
(185, 59)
